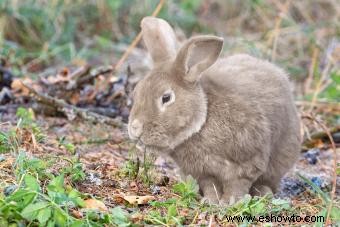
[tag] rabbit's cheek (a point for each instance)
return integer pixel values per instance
(182, 121)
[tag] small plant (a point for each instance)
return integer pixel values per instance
(188, 189)
(27, 122)
(169, 218)
(133, 168)
(70, 147)
(5, 144)
(24, 165)
(75, 171)
(25, 132)
(32, 203)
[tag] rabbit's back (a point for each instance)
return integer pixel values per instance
(257, 88)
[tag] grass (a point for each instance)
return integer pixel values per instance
(46, 191)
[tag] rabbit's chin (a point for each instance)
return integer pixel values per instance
(158, 150)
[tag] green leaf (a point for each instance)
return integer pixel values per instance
(78, 223)
(56, 184)
(50, 223)
(119, 217)
(60, 218)
(258, 209)
(31, 211)
(23, 197)
(172, 211)
(74, 195)
(31, 183)
(283, 204)
(44, 215)
(335, 213)
(188, 189)
(165, 203)
(70, 147)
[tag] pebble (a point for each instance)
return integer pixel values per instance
(9, 189)
(291, 187)
(317, 181)
(336, 137)
(155, 190)
(312, 155)
(94, 178)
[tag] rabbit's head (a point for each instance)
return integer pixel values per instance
(169, 103)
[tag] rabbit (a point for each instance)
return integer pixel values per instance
(230, 123)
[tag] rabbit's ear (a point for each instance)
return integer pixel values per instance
(159, 38)
(197, 55)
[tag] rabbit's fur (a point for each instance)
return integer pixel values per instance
(230, 123)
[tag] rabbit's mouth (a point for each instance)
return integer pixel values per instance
(140, 145)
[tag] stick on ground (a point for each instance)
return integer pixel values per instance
(72, 111)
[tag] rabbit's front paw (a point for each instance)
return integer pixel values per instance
(209, 201)
(260, 190)
(227, 201)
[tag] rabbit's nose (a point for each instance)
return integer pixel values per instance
(136, 129)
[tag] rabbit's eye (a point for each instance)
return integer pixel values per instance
(166, 98)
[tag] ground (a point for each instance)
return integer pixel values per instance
(99, 162)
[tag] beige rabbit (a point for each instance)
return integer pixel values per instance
(230, 123)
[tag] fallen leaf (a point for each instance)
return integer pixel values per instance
(137, 217)
(75, 98)
(77, 214)
(95, 204)
(18, 87)
(134, 186)
(140, 200)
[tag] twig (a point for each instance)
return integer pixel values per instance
(274, 38)
(210, 221)
(311, 70)
(327, 131)
(332, 106)
(194, 219)
(84, 79)
(319, 135)
(323, 79)
(136, 39)
(71, 111)
(318, 86)
(80, 72)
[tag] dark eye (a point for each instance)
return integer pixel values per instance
(166, 98)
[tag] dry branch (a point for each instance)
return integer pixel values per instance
(136, 39)
(320, 135)
(273, 40)
(87, 77)
(72, 111)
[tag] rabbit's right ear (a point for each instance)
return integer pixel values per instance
(159, 38)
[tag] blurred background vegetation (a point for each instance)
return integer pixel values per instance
(302, 36)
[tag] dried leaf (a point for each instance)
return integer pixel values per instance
(74, 100)
(95, 204)
(19, 88)
(77, 214)
(140, 200)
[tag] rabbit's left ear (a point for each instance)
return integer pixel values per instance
(159, 38)
(197, 55)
